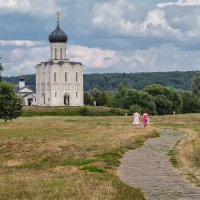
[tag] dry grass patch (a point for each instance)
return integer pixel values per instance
(67, 157)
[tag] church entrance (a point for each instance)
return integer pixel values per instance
(30, 101)
(66, 99)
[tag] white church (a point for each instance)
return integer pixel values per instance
(28, 94)
(59, 82)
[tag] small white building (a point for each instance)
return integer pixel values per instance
(58, 81)
(27, 93)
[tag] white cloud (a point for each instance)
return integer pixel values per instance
(137, 61)
(93, 57)
(36, 7)
(157, 24)
(180, 3)
(162, 58)
(25, 59)
(115, 17)
(23, 43)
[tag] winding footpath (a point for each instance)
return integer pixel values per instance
(149, 169)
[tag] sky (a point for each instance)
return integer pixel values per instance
(107, 36)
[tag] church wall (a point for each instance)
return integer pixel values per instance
(52, 85)
(69, 87)
(21, 84)
(42, 84)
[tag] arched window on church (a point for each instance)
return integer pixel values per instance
(66, 77)
(54, 77)
(55, 53)
(76, 94)
(64, 53)
(51, 53)
(61, 53)
(76, 76)
(55, 94)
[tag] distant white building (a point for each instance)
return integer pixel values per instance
(58, 81)
(27, 93)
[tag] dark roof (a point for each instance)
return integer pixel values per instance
(75, 63)
(58, 35)
(60, 63)
(21, 78)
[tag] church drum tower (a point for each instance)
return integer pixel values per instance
(59, 82)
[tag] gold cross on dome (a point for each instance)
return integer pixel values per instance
(21, 71)
(58, 15)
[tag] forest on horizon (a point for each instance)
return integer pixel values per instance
(110, 81)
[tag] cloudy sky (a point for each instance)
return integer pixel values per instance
(105, 35)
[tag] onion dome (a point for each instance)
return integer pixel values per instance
(58, 35)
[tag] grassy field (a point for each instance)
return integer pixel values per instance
(186, 155)
(67, 157)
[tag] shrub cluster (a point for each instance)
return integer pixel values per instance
(72, 111)
(155, 99)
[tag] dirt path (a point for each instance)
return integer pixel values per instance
(149, 169)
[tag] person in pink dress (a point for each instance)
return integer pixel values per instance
(145, 119)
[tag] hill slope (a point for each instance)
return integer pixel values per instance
(110, 81)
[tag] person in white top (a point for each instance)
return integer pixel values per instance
(136, 118)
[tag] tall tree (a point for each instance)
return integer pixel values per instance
(167, 99)
(196, 83)
(191, 103)
(120, 96)
(10, 102)
(142, 99)
(1, 69)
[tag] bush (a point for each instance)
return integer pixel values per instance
(134, 108)
(83, 111)
(117, 112)
(72, 111)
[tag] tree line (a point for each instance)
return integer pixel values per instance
(111, 81)
(155, 99)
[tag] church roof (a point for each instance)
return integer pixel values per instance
(61, 63)
(25, 90)
(29, 95)
(58, 35)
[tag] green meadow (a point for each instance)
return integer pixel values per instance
(77, 157)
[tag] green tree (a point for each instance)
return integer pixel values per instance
(196, 83)
(191, 103)
(120, 96)
(143, 99)
(88, 99)
(101, 98)
(10, 102)
(167, 99)
(135, 108)
(154, 90)
(163, 105)
(1, 69)
(177, 101)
